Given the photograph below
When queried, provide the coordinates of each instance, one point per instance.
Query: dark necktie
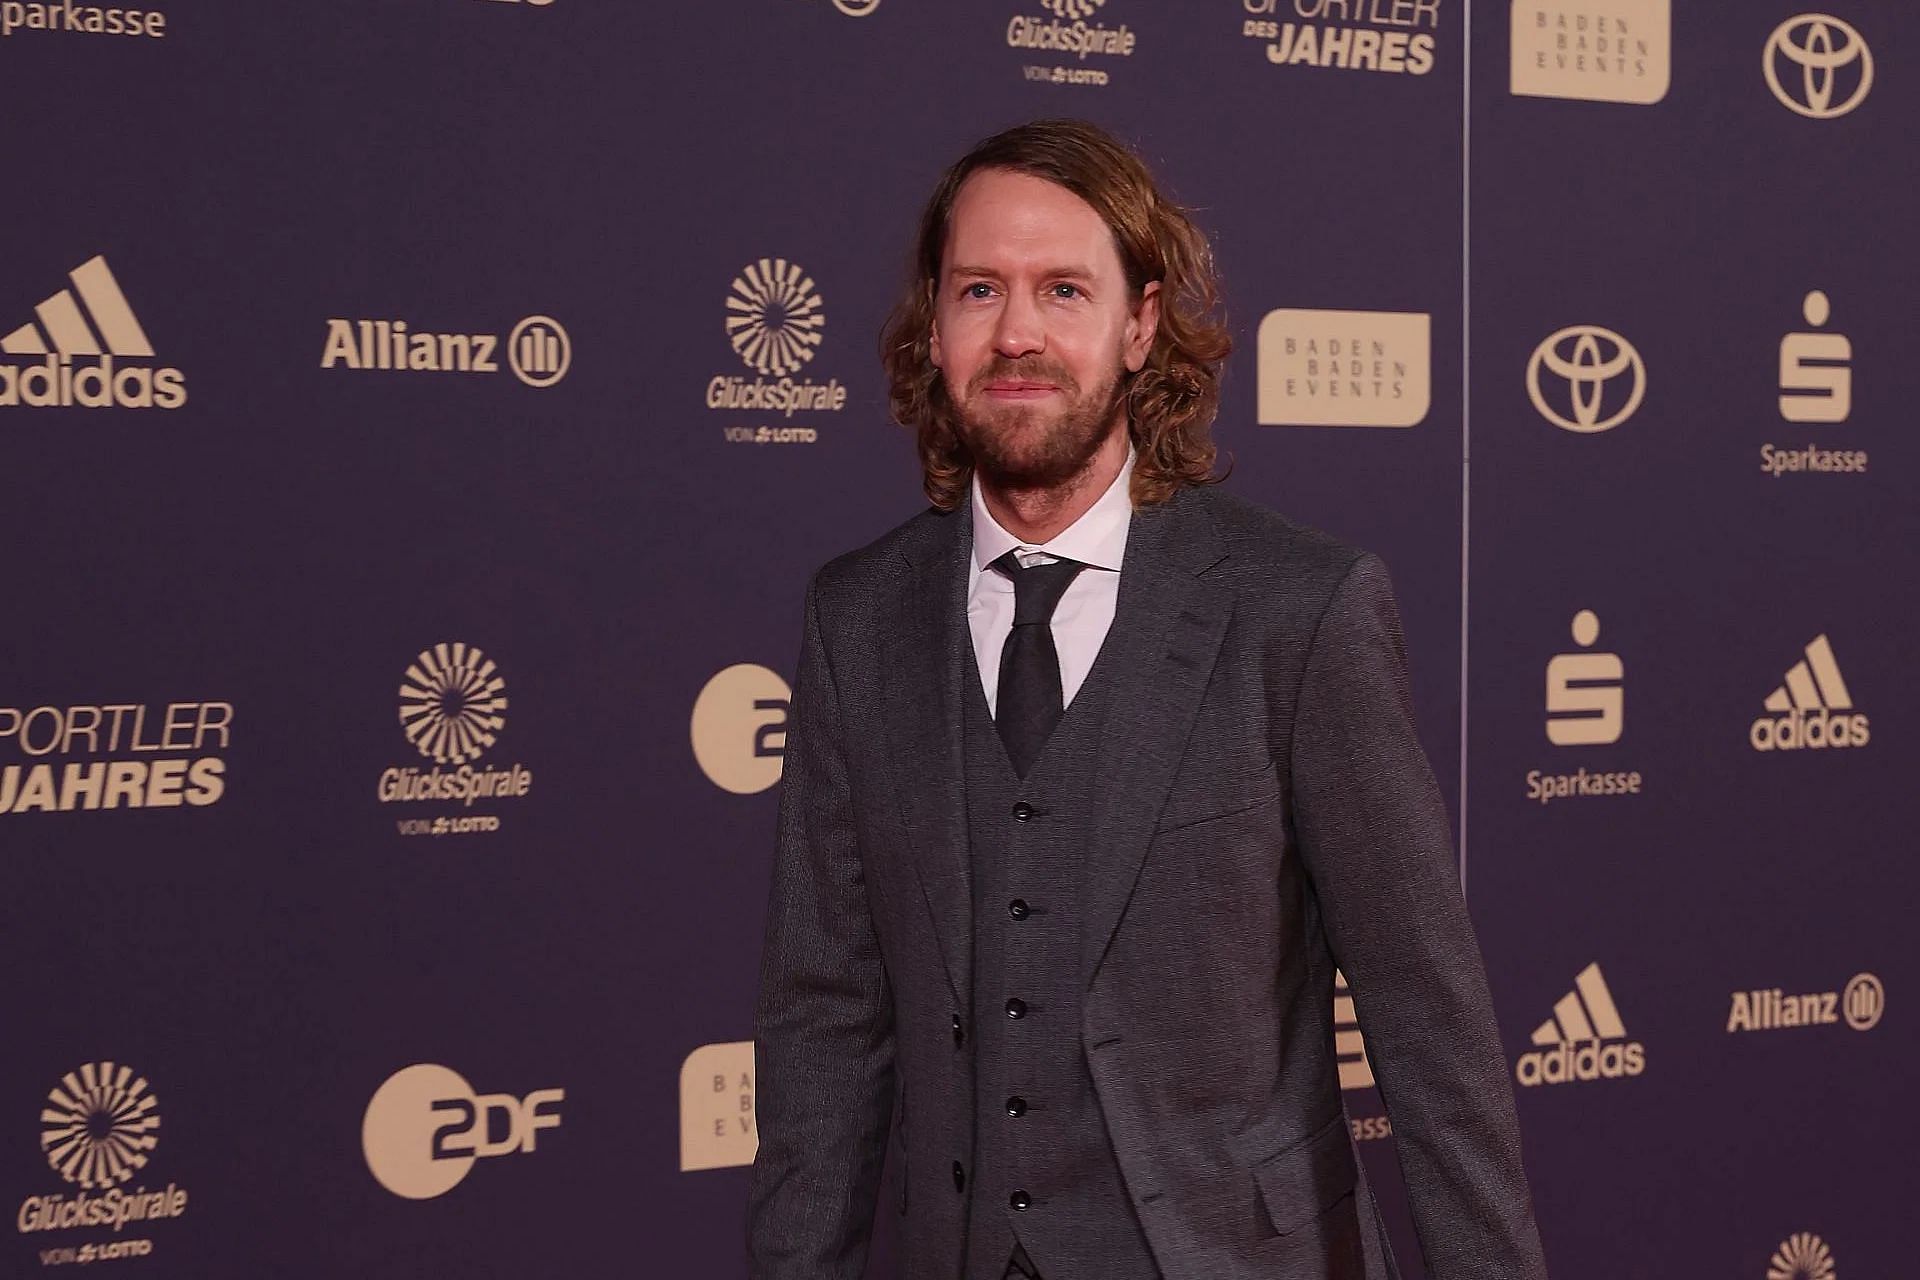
(1029, 701)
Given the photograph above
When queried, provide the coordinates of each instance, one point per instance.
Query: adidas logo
(1802, 708)
(80, 333)
(1583, 1040)
(1349, 1050)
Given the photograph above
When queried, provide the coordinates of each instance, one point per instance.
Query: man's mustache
(1023, 369)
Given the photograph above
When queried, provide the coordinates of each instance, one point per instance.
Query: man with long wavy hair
(1094, 775)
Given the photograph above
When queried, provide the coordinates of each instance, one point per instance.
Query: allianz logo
(1583, 1040)
(86, 350)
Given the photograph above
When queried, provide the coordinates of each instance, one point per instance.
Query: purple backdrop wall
(388, 755)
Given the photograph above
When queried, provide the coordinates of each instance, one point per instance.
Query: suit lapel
(1167, 630)
(925, 659)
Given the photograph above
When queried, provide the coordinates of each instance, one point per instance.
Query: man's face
(1032, 327)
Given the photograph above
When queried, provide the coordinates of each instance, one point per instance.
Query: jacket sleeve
(1373, 832)
(823, 1027)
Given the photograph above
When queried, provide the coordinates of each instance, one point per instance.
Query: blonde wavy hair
(1170, 402)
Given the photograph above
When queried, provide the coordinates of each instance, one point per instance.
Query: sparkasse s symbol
(425, 1127)
(1800, 714)
(80, 334)
(99, 1129)
(1584, 1039)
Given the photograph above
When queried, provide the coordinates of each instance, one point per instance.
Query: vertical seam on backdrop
(1466, 417)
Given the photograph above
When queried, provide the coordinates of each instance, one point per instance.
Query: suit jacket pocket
(1302, 1181)
(1222, 801)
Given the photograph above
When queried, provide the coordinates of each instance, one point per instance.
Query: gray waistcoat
(1057, 1151)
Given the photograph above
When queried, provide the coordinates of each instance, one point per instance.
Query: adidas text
(1813, 730)
(95, 385)
(1593, 1060)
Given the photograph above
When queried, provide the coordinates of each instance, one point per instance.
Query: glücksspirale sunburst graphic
(775, 317)
(99, 1125)
(1802, 1256)
(451, 703)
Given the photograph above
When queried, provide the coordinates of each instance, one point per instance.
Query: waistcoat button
(1023, 812)
(1019, 909)
(1016, 1008)
(1020, 1200)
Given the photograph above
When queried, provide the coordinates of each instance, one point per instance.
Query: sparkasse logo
(1800, 713)
(1583, 1040)
(76, 359)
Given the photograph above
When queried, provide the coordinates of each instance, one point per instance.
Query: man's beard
(1032, 446)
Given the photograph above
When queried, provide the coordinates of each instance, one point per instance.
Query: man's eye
(979, 289)
(1065, 290)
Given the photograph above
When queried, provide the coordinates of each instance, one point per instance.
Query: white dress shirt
(1098, 539)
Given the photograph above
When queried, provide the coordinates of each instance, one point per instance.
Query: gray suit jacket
(1265, 813)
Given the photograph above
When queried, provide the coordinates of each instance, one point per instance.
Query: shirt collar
(1097, 538)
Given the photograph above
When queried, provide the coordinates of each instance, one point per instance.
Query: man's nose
(1020, 330)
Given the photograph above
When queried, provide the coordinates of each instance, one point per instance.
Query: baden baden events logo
(115, 755)
(1816, 386)
(1064, 29)
(1586, 379)
(1586, 707)
(537, 349)
(99, 1128)
(1802, 1256)
(1859, 1005)
(1344, 368)
(425, 1127)
(1592, 50)
(1800, 713)
(1392, 36)
(739, 728)
(75, 360)
(1818, 66)
(775, 322)
(453, 703)
(717, 1129)
(81, 19)
(1583, 1040)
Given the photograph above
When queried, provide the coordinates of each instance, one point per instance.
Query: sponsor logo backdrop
(515, 364)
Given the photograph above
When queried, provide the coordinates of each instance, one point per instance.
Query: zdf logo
(1598, 379)
(1828, 67)
(425, 1127)
(739, 728)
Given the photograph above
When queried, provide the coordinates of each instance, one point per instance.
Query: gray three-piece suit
(1094, 1005)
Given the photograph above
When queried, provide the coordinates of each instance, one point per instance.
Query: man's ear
(1142, 325)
